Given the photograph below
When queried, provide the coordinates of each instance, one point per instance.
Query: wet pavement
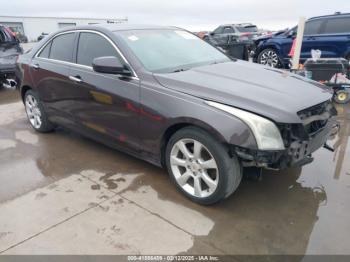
(61, 193)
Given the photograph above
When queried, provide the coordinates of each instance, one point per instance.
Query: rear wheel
(342, 97)
(36, 113)
(201, 167)
(269, 57)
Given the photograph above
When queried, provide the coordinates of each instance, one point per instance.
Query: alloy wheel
(194, 168)
(270, 58)
(33, 111)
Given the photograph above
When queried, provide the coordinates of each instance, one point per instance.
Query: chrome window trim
(79, 65)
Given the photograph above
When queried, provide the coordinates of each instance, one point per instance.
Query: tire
(225, 177)
(347, 57)
(36, 113)
(342, 97)
(269, 57)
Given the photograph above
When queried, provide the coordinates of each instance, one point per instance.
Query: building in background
(32, 27)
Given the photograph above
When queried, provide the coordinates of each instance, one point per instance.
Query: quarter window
(92, 45)
(62, 47)
(45, 53)
(218, 30)
(313, 27)
(337, 25)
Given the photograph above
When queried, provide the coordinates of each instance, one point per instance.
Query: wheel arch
(173, 128)
(24, 89)
(274, 47)
(270, 46)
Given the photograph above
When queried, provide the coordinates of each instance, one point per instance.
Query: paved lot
(64, 194)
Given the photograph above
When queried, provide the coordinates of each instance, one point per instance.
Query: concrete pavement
(61, 193)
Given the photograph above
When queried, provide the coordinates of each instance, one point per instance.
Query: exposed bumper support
(297, 154)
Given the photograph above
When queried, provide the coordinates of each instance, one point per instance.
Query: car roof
(242, 24)
(337, 14)
(118, 27)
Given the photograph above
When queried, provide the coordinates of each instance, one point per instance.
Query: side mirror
(292, 34)
(110, 65)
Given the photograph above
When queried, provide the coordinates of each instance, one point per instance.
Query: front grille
(309, 116)
(314, 110)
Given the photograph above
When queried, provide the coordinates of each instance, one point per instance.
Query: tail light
(245, 36)
(10, 31)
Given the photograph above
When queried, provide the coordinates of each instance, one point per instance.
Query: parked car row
(330, 34)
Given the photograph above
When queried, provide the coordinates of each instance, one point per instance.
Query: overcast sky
(189, 14)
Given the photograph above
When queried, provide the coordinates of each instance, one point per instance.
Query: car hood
(269, 92)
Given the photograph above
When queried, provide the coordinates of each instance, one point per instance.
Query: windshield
(165, 51)
(247, 29)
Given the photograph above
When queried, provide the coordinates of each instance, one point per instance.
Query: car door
(49, 70)
(225, 36)
(216, 36)
(313, 39)
(107, 106)
(336, 37)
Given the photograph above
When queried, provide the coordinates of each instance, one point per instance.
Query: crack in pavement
(61, 222)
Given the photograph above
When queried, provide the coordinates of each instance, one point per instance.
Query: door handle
(76, 79)
(35, 66)
(311, 38)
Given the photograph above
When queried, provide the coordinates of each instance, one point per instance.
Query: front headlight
(266, 133)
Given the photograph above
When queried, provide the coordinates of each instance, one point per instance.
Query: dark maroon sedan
(164, 95)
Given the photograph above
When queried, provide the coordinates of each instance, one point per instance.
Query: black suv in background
(9, 50)
(236, 39)
(233, 32)
(330, 34)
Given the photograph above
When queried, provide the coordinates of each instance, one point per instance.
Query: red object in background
(246, 34)
(201, 34)
(10, 31)
(292, 50)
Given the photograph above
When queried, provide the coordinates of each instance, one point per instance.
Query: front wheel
(201, 167)
(269, 57)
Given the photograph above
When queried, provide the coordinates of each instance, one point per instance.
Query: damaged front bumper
(300, 142)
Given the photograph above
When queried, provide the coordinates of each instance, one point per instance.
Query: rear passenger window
(337, 25)
(313, 27)
(46, 51)
(91, 46)
(228, 30)
(62, 47)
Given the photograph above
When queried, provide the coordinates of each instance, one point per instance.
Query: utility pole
(298, 43)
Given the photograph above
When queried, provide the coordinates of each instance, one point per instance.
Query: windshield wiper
(179, 70)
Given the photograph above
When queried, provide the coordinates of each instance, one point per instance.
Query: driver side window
(92, 45)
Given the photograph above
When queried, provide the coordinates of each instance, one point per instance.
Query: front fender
(165, 109)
